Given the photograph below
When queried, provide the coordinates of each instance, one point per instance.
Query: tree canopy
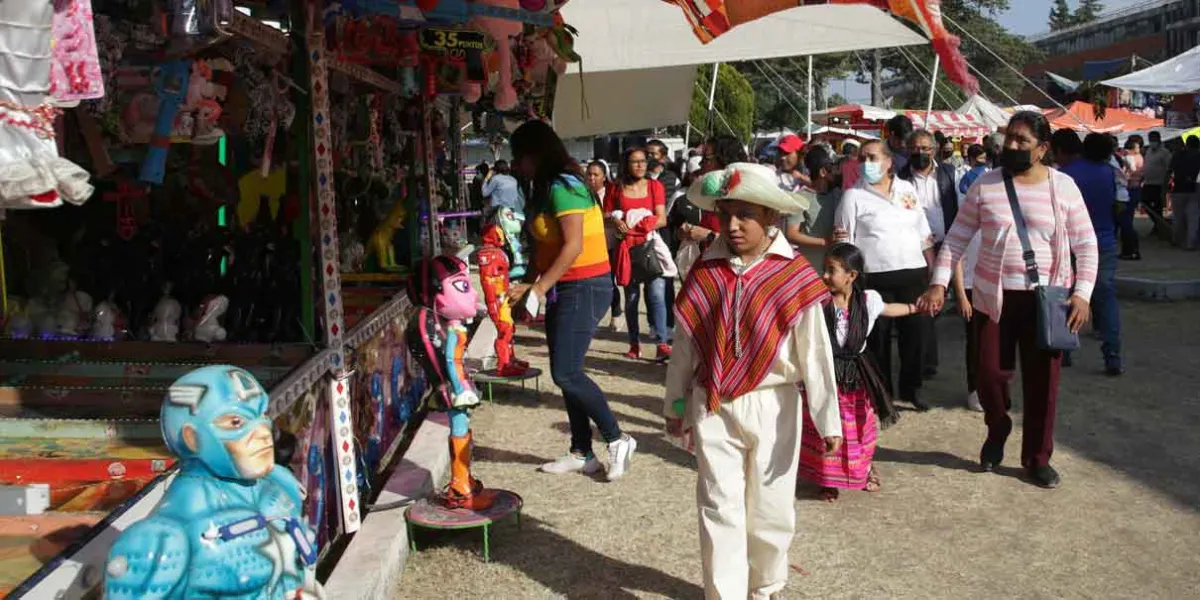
(913, 64)
(1088, 11)
(1060, 15)
(734, 100)
(781, 87)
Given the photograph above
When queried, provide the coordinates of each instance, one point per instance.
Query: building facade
(1153, 31)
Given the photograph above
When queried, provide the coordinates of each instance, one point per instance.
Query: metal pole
(687, 134)
(808, 117)
(937, 62)
(712, 95)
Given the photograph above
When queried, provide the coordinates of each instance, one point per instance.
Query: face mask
(947, 154)
(652, 164)
(920, 161)
(1016, 161)
(872, 172)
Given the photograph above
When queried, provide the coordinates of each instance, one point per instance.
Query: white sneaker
(620, 454)
(973, 402)
(572, 463)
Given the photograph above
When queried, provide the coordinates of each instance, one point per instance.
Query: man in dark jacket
(660, 169)
(938, 196)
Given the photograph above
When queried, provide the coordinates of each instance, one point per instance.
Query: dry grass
(1123, 525)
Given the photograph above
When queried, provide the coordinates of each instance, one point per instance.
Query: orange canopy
(1082, 118)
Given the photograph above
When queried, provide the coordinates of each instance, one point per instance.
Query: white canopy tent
(640, 56)
(984, 111)
(1179, 75)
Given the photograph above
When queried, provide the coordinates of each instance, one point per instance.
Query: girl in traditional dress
(849, 316)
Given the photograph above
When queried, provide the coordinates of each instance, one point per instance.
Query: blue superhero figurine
(231, 524)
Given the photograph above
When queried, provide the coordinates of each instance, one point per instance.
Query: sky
(1024, 17)
(1028, 17)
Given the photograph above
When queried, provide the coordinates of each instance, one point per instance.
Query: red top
(615, 199)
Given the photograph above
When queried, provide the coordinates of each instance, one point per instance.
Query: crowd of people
(773, 290)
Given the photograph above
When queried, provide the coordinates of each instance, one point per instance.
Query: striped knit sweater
(1058, 224)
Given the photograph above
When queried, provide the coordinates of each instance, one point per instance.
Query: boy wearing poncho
(750, 333)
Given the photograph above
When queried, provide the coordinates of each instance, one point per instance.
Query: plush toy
(494, 278)
(74, 312)
(164, 325)
(107, 322)
(437, 338)
(502, 32)
(208, 326)
(230, 524)
(381, 238)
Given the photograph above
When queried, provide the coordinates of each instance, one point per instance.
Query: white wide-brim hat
(748, 182)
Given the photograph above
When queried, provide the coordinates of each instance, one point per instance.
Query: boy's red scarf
(738, 343)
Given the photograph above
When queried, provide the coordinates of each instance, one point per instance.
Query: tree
(978, 17)
(1088, 11)
(835, 99)
(1061, 16)
(781, 86)
(734, 101)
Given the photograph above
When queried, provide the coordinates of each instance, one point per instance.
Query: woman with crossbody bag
(1026, 294)
(633, 192)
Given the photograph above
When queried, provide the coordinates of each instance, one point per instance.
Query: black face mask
(652, 164)
(920, 161)
(1016, 161)
(947, 154)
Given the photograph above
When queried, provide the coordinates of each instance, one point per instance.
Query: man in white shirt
(936, 192)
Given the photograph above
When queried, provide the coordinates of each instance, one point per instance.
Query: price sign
(463, 40)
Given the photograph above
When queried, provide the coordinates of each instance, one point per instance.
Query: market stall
(224, 153)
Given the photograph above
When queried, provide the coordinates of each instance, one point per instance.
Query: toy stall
(220, 184)
(871, 121)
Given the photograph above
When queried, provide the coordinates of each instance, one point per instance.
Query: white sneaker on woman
(571, 463)
(620, 454)
(973, 402)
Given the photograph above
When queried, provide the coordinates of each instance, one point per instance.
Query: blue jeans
(572, 316)
(1105, 309)
(656, 306)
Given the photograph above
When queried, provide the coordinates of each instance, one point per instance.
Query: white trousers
(748, 451)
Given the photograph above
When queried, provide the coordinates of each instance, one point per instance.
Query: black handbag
(1053, 301)
(644, 264)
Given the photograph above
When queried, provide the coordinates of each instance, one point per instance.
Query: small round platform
(490, 377)
(428, 513)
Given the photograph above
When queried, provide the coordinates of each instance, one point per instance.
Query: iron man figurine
(493, 276)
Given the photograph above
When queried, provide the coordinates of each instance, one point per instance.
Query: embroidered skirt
(848, 468)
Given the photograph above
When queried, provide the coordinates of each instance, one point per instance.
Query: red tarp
(1082, 118)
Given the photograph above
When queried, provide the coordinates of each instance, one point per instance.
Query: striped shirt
(1058, 224)
(570, 198)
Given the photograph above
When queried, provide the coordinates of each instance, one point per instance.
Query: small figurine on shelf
(354, 254)
(494, 277)
(230, 525)
(208, 326)
(164, 325)
(107, 323)
(512, 222)
(17, 324)
(437, 338)
(74, 312)
(381, 238)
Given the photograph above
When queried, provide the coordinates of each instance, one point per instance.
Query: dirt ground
(1124, 524)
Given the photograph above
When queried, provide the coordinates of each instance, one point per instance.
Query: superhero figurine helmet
(216, 416)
